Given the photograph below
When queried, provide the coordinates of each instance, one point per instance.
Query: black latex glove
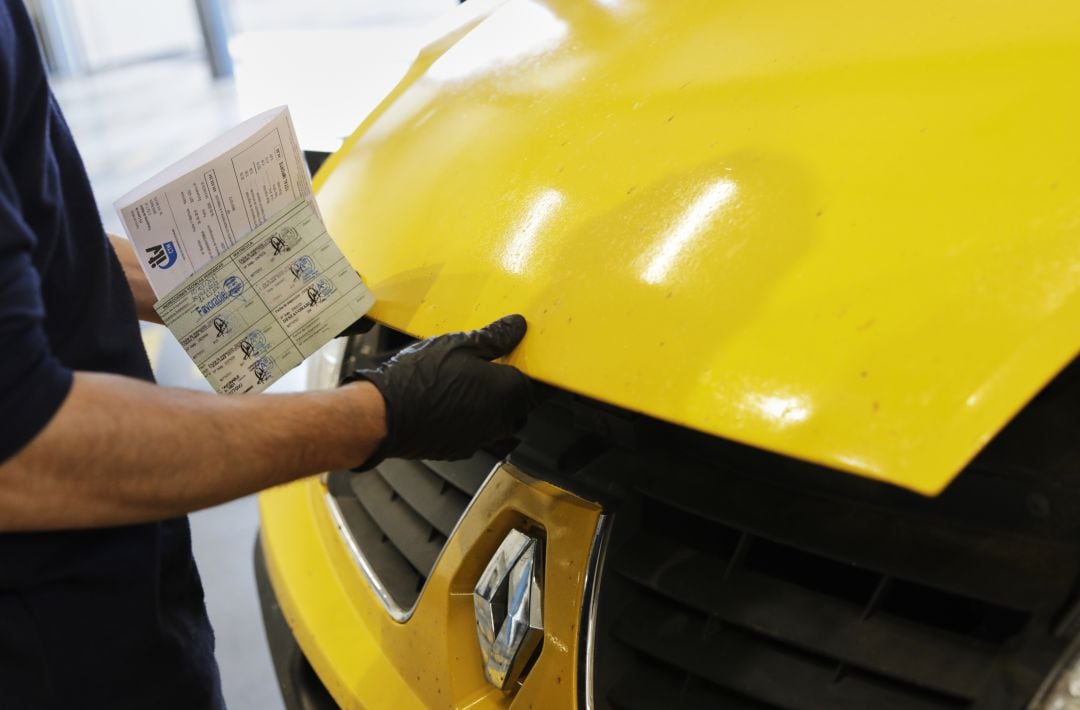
(358, 327)
(445, 399)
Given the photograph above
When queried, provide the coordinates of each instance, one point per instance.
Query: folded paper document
(191, 212)
(249, 280)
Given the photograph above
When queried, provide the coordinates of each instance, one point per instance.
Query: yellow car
(803, 290)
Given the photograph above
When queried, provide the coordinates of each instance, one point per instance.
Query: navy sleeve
(33, 383)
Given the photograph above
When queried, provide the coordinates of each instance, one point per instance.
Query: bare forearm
(123, 451)
(140, 287)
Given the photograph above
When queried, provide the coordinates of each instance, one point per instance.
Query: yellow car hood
(844, 231)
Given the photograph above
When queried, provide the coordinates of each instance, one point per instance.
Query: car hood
(846, 232)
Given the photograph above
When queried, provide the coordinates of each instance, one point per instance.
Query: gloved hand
(357, 327)
(445, 400)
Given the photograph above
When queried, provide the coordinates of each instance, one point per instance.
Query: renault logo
(508, 601)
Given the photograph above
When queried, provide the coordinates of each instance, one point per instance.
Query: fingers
(499, 338)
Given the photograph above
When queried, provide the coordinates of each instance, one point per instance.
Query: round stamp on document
(253, 344)
(233, 286)
(263, 368)
(319, 291)
(304, 268)
(283, 240)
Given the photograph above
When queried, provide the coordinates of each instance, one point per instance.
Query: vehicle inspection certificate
(269, 301)
(193, 211)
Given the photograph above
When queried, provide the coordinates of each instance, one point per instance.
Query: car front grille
(739, 578)
(736, 578)
(721, 608)
(401, 513)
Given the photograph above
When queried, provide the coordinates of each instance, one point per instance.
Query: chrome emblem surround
(508, 601)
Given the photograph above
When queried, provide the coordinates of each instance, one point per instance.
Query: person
(101, 605)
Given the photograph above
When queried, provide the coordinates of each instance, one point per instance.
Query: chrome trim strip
(396, 612)
(1066, 662)
(591, 596)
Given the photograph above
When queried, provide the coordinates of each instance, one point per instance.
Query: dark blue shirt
(110, 618)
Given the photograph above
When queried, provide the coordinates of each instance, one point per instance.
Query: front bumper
(300, 687)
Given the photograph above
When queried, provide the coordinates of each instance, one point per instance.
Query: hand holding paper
(231, 238)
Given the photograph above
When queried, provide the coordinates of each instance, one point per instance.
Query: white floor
(131, 122)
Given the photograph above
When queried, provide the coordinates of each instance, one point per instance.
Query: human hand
(445, 399)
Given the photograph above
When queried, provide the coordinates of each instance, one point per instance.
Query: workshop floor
(131, 122)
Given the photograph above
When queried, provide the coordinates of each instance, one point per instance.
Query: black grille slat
(467, 475)
(949, 556)
(808, 619)
(417, 540)
(750, 665)
(658, 686)
(425, 492)
(396, 574)
(412, 509)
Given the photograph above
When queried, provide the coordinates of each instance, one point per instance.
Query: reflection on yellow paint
(689, 225)
(558, 643)
(858, 463)
(780, 410)
(515, 257)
